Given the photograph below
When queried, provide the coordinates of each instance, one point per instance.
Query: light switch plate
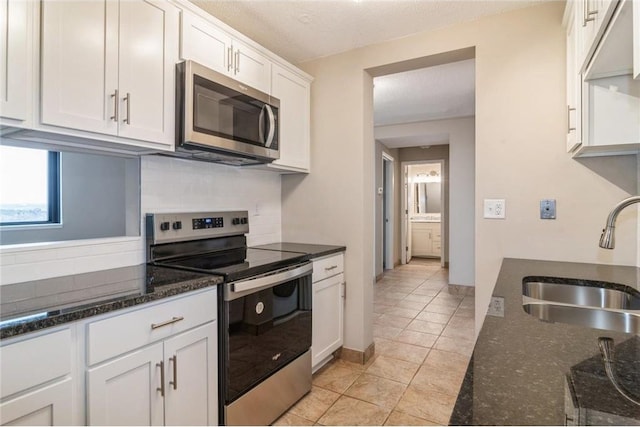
(494, 208)
(548, 209)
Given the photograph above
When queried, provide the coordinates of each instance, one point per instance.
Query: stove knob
(244, 220)
(164, 226)
(177, 225)
(235, 221)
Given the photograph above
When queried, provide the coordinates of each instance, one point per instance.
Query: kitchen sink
(596, 305)
(610, 320)
(589, 296)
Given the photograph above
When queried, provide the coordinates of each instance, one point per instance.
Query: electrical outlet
(496, 307)
(494, 208)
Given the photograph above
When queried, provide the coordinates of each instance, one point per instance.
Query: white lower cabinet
(328, 309)
(168, 383)
(36, 379)
(426, 239)
(45, 406)
(169, 378)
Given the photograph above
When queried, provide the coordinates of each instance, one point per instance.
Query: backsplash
(176, 185)
(167, 185)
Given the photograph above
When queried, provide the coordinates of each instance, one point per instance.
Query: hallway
(423, 333)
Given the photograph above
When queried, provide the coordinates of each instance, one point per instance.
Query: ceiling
(302, 30)
(441, 92)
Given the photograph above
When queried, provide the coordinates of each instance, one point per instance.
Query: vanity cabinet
(426, 239)
(211, 46)
(328, 308)
(37, 382)
(108, 67)
(163, 371)
(16, 18)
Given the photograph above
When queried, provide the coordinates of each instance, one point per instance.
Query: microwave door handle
(272, 126)
(261, 125)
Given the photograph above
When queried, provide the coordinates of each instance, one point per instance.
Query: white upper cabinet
(109, 67)
(15, 26)
(205, 43)
(294, 94)
(574, 81)
(211, 46)
(591, 19)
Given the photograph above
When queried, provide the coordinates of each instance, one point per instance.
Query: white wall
(520, 155)
(461, 188)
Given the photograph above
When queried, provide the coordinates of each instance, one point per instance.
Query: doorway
(387, 211)
(425, 217)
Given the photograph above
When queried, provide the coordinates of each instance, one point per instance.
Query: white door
(293, 93)
(80, 64)
(204, 43)
(14, 26)
(327, 319)
(407, 208)
(149, 32)
(46, 406)
(128, 390)
(191, 371)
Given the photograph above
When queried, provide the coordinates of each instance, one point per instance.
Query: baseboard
(356, 356)
(379, 276)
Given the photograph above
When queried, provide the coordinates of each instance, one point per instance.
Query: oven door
(267, 324)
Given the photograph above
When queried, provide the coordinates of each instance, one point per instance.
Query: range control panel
(175, 227)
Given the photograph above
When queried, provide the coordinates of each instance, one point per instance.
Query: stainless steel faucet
(607, 239)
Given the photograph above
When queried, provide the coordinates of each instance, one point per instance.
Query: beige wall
(520, 140)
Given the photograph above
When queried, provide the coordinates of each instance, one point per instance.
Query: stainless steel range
(264, 310)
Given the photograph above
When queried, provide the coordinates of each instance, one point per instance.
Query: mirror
(427, 197)
(78, 196)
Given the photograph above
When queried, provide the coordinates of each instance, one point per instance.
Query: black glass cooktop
(238, 263)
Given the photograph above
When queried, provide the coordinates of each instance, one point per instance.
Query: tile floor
(423, 333)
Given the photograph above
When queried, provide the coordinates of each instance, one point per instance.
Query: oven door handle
(273, 279)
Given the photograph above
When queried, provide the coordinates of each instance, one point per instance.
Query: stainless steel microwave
(222, 120)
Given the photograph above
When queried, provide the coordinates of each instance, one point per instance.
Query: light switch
(494, 208)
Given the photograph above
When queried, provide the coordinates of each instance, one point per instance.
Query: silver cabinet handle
(161, 388)
(167, 322)
(229, 58)
(174, 383)
(333, 267)
(127, 98)
(569, 110)
(237, 62)
(116, 104)
(588, 14)
(272, 126)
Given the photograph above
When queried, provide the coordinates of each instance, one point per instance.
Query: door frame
(389, 221)
(406, 223)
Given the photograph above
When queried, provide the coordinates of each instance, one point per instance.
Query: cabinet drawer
(120, 334)
(35, 361)
(327, 267)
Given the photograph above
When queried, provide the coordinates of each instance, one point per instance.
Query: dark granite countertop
(154, 284)
(520, 364)
(312, 250)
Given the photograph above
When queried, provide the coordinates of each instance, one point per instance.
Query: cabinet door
(46, 406)
(251, 67)
(573, 84)
(147, 57)
(294, 95)
(327, 320)
(14, 26)
(79, 64)
(128, 390)
(192, 371)
(205, 43)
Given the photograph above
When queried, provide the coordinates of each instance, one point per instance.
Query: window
(29, 186)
